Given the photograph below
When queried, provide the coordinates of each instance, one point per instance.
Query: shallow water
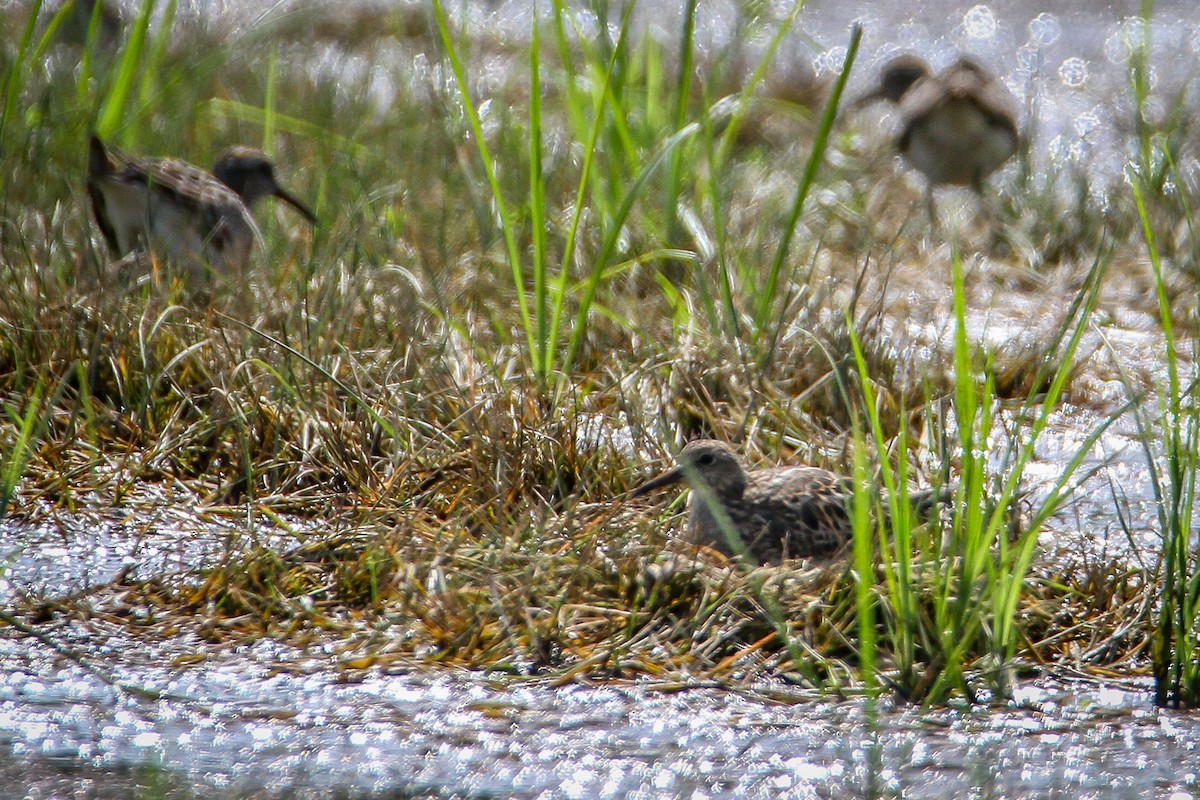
(275, 722)
(237, 727)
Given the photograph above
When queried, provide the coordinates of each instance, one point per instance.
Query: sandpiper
(770, 514)
(956, 128)
(195, 218)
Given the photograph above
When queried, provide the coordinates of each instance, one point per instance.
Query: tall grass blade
(767, 298)
(864, 567)
(13, 83)
(507, 224)
(746, 96)
(611, 238)
(1176, 430)
(589, 154)
(683, 85)
(30, 423)
(151, 90)
(537, 209)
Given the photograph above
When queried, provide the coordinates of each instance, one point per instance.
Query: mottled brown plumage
(776, 513)
(194, 218)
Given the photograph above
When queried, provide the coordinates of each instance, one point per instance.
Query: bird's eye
(705, 459)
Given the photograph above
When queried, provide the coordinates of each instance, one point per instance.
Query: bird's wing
(804, 510)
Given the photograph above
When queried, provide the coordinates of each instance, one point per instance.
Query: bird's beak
(296, 204)
(666, 479)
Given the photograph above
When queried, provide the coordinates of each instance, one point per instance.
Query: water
(239, 726)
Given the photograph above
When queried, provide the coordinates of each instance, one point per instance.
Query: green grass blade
(768, 296)
(611, 238)
(683, 84)
(12, 88)
(489, 166)
(541, 357)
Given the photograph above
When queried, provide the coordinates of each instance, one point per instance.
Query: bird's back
(806, 511)
(785, 512)
(960, 126)
(168, 204)
(790, 512)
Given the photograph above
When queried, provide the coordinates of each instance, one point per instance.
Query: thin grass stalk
(30, 422)
(575, 103)
(270, 102)
(1015, 566)
(683, 83)
(767, 297)
(864, 566)
(12, 89)
(586, 172)
(971, 485)
(725, 283)
(897, 550)
(149, 95)
(48, 36)
(20, 449)
(611, 238)
(86, 63)
(56, 21)
(507, 225)
(746, 96)
(1176, 651)
(732, 320)
(896, 539)
(1139, 77)
(605, 185)
(537, 208)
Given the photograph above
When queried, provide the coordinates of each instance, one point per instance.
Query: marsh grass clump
(541, 263)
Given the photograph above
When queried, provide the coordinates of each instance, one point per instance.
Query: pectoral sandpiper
(957, 127)
(776, 513)
(194, 218)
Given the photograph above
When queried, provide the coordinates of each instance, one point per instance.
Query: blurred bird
(197, 220)
(956, 128)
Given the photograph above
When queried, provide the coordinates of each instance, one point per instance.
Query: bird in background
(956, 127)
(769, 514)
(197, 220)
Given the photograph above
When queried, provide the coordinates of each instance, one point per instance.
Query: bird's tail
(925, 504)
